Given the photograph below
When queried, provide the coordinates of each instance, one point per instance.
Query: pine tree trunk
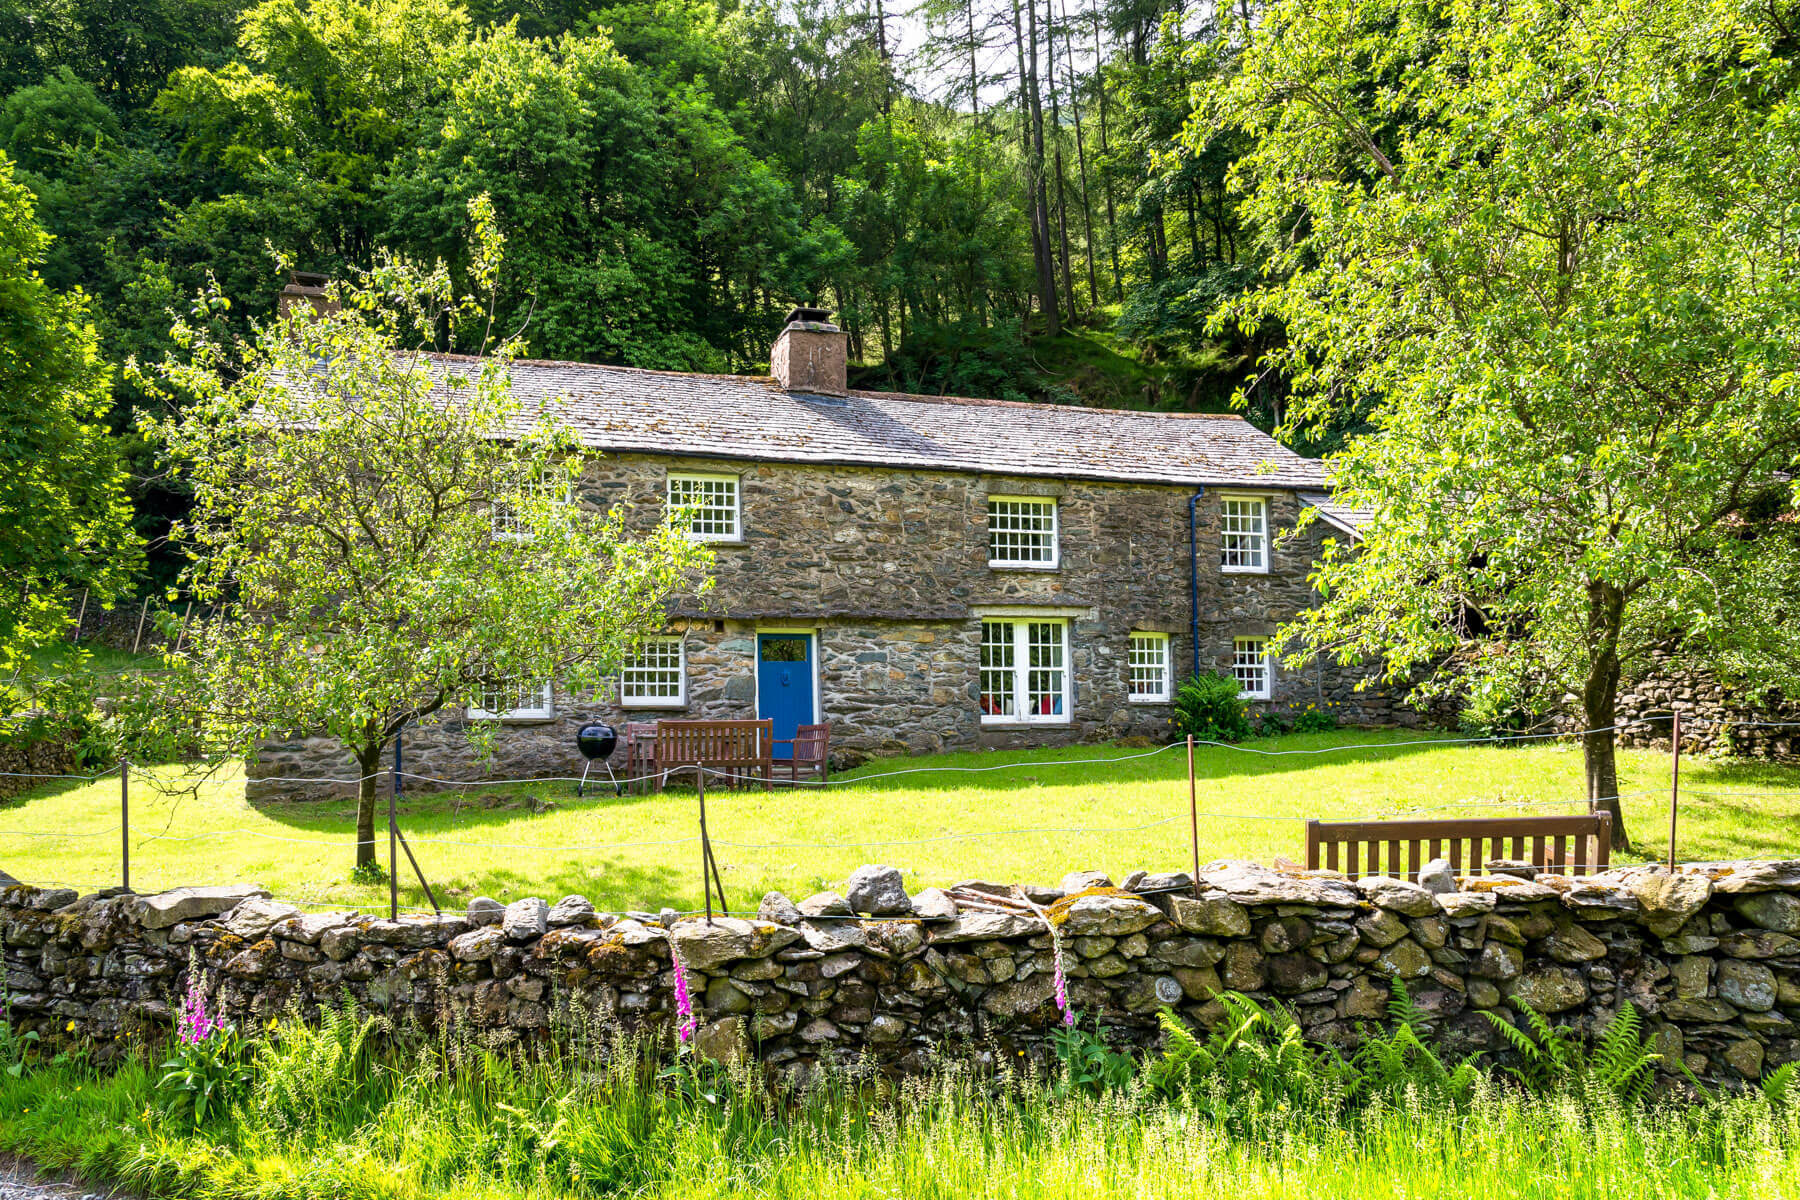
(1112, 220)
(1040, 195)
(1087, 208)
(1062, 196)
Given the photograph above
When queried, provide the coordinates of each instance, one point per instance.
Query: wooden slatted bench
(737, 748)
(1400, 848)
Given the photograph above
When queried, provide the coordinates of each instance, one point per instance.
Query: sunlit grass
(571, 1127)
(1044, 816)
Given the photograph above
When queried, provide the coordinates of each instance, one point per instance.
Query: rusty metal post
(705, 844)
(394, 838)
(1193, 815)
(1674, 783)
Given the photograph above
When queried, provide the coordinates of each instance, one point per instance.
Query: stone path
(19, 1182)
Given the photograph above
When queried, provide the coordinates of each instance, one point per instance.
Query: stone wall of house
(889, 570)
(24, 758)
(1711, 957)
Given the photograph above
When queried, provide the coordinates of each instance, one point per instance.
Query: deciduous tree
(1553, 245)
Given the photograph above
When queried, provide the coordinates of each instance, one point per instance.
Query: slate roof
(1351, 520)
(752, 418)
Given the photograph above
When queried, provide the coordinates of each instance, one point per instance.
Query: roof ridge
(864, 393)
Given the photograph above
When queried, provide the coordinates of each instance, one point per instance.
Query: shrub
(1315, 718)
(1209, 707)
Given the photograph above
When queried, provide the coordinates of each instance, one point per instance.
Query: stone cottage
(924, 573)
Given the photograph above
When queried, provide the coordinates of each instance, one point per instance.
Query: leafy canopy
(1551, 246)
(65, 524)
(379, 533)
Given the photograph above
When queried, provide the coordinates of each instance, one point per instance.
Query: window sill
(654, 705)
(504, 719)
(1256, 696)
(716, 541)
(1147, 700)
(1023, 722)
(1021, 566)
(1243, 570)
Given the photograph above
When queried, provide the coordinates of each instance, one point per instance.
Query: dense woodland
(671, 176)
(1000, 208)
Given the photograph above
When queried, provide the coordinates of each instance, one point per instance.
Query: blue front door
(784, 684)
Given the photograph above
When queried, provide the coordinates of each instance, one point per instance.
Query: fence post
(143, 612)
(705, 848)
(1193, 815)
(1674, 783)
(80, 617)
(125, 823)
(394, 838)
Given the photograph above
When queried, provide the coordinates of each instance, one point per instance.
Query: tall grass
(329, 1116)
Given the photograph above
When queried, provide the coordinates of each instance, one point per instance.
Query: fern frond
(1782, 1085)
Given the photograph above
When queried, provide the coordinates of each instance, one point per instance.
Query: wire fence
(701, 775)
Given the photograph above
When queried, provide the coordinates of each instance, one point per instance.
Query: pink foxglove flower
(1062, 979)
(193, 1023)
(684, 1002)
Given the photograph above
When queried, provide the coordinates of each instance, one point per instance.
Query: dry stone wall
(1711, 955)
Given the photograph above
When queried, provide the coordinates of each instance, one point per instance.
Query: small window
(1149, 664)
(1025, 672)
(502, 701)
(711, 502)
(1244, 534)
(655, 675)
(510, 525)
(1021, 532)
(1250, 663)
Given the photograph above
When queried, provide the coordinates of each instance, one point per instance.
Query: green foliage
(1400, 1063)
(1620, 1062)
(573, 1119)
(308, 1076)
(1256, 1059)
(1564, 323)
(1089, 1064)
(203, 1078)
(1211, 707)
(64, 520)
(370, 553)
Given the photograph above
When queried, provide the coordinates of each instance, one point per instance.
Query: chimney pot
(305, 287)
(809, 355)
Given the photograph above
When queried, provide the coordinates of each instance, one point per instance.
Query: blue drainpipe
(1194, 575)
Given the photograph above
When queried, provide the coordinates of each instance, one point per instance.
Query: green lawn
(1043, 817)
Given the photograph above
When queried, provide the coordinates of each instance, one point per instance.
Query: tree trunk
(1048, 304)
(1062, 197)
(368, 767)
(1599, 707)
(1112, 220)
(1087, 207)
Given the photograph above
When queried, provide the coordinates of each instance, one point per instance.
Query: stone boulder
(1398, 895)
(1108, 916)
(706, 945)
(190, 904)
(485, 911)
(934, 904)
(256, 916)
(777, 909)
(1437, 877)
(570, 910)
(878, 891)
(826, 904)
(1209, 916)
(525, 919)
(1081, 881)
(1253, 883)
(1669, 900)
(1777, 911)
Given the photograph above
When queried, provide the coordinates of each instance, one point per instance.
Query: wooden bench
(736, 748)
(1375, 847)
(812, 753)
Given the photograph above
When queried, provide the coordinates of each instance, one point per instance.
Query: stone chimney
(809, 354)
(305, 287)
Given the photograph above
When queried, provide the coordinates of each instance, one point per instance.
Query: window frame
(1021, 670)
(679, 700)
(1165, 667)
(1238, 643)
(1265, 546)
(502, 518)
(705, 477)
(546, 711)
(1054, 562)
